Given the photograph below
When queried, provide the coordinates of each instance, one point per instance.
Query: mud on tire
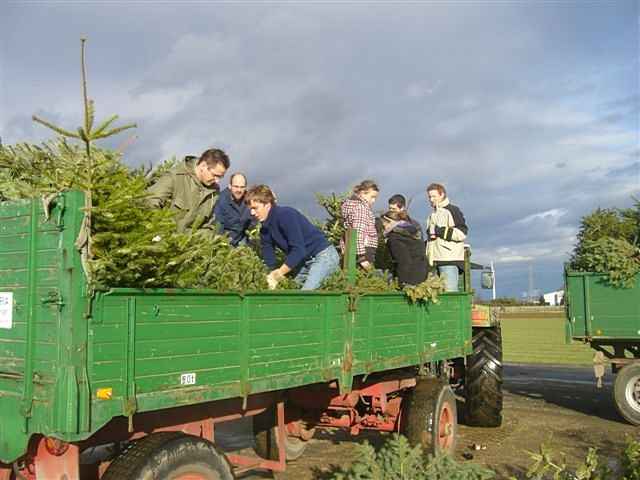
(483, 379)
(170, 456)
(429, 416)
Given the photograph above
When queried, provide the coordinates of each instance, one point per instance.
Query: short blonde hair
(260, 193)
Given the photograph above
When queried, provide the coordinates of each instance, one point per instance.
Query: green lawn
(540, 339)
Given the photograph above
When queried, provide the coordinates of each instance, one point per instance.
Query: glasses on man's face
(239, 186)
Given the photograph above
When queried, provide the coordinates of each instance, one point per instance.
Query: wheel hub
(446, 429)
(632, 393)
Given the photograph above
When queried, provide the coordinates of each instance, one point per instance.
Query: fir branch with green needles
(426, 291)
(609, 243)
(86, 132)
(333, 225)
(133, 245)
(87, 135)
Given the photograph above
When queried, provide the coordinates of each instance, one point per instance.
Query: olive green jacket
(181, 190)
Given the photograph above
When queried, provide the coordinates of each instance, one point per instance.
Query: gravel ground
(557, 405)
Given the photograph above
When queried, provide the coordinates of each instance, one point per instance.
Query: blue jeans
(450, 273)
(316, 269)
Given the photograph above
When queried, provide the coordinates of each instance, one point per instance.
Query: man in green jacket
(191, 188)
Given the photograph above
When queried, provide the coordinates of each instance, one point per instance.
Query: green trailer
(608, 318)
(143, 376)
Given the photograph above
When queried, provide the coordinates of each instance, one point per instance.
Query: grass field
(539, 338)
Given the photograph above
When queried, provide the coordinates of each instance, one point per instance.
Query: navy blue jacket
(290, 231)
(233, 218)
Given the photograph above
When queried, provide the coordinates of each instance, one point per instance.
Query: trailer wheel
(267, 445)
(429, 416)
(483, 379)
(170, 456)
(626, 393)
(265, 436)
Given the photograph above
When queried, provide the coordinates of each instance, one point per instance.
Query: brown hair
(215, 156)
(365, 186)
(260, 193)
(398, 200)
(437, 186)
(395, 216)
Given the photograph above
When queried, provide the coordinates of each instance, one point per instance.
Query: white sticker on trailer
(6, 309)
(188, 379)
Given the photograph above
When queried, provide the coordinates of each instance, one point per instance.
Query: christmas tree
(124, 243)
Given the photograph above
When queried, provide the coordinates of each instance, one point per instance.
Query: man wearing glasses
(231, 213)
(191, 189)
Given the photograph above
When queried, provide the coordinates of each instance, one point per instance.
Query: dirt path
(556, 405)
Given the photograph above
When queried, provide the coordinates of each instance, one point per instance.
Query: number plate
(6, 309)
(188, 379)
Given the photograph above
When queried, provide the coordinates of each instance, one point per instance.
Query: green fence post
(349, 260)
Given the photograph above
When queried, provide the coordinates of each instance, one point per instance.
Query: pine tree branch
(115, 130)
(92, 113)
(85, 98)
(103, 126)
(83, 136)
(61, 131)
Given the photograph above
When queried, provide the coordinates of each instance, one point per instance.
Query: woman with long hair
(357, 213)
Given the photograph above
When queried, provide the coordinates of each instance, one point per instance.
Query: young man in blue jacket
(231, 212)
(308, 253)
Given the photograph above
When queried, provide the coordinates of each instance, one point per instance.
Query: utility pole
(493, 272)
(530, 282)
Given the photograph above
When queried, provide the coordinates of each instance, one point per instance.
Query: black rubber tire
(626, 393)
(423, 418)
(266, 445)
(166, 456)
(483, 379)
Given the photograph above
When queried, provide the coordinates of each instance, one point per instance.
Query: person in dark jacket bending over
(405, 244)
(231, 213)
(308, 253)
(446, 231)
(397, 203)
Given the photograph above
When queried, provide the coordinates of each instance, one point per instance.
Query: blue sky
(527, 111)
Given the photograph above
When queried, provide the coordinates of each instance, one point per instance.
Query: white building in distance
(554, 298)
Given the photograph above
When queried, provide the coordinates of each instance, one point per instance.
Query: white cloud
(158, 104)
(543, 114)
(552, 216)
(551, 249)
(421, 89)
(606, 139)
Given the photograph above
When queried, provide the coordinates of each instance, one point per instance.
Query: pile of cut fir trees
(129, 244)
(609, 243)
(133, 245)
